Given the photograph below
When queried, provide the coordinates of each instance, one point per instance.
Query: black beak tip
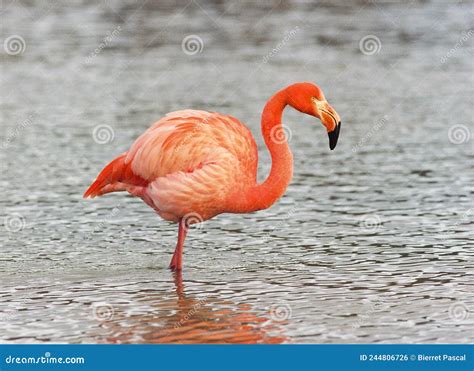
(333, 136)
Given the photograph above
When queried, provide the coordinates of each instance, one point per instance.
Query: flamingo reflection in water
(187, 320)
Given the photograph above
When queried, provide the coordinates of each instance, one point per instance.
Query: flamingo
(192, 165)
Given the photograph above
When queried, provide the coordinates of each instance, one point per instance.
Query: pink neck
(267, 193)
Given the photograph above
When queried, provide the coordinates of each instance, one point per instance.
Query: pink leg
(177, 260)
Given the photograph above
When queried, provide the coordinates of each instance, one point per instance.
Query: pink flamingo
(193, 165)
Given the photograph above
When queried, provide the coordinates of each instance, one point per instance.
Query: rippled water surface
(373, 242)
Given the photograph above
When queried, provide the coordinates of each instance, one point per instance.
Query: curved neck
(265, 194)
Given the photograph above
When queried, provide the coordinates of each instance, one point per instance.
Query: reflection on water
(148, 310)
(186, 320)
(372, 242)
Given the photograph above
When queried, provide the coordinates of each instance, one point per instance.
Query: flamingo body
(188, 163)
(193, 165)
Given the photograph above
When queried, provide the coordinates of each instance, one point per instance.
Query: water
(372, 242)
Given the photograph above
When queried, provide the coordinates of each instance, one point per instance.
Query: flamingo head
(309, 98)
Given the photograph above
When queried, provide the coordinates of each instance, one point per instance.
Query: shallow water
(373, 242)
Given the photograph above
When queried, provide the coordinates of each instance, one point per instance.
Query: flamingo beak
(330, 119)
(334, 135)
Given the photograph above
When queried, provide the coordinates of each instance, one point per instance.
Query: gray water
(373, 242)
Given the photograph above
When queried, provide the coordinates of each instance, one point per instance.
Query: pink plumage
(193, 165)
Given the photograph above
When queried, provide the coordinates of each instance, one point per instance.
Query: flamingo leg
(177, 259)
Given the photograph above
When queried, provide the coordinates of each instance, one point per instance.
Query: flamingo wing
(189, 161)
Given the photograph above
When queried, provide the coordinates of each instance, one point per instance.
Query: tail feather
(116, 176)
